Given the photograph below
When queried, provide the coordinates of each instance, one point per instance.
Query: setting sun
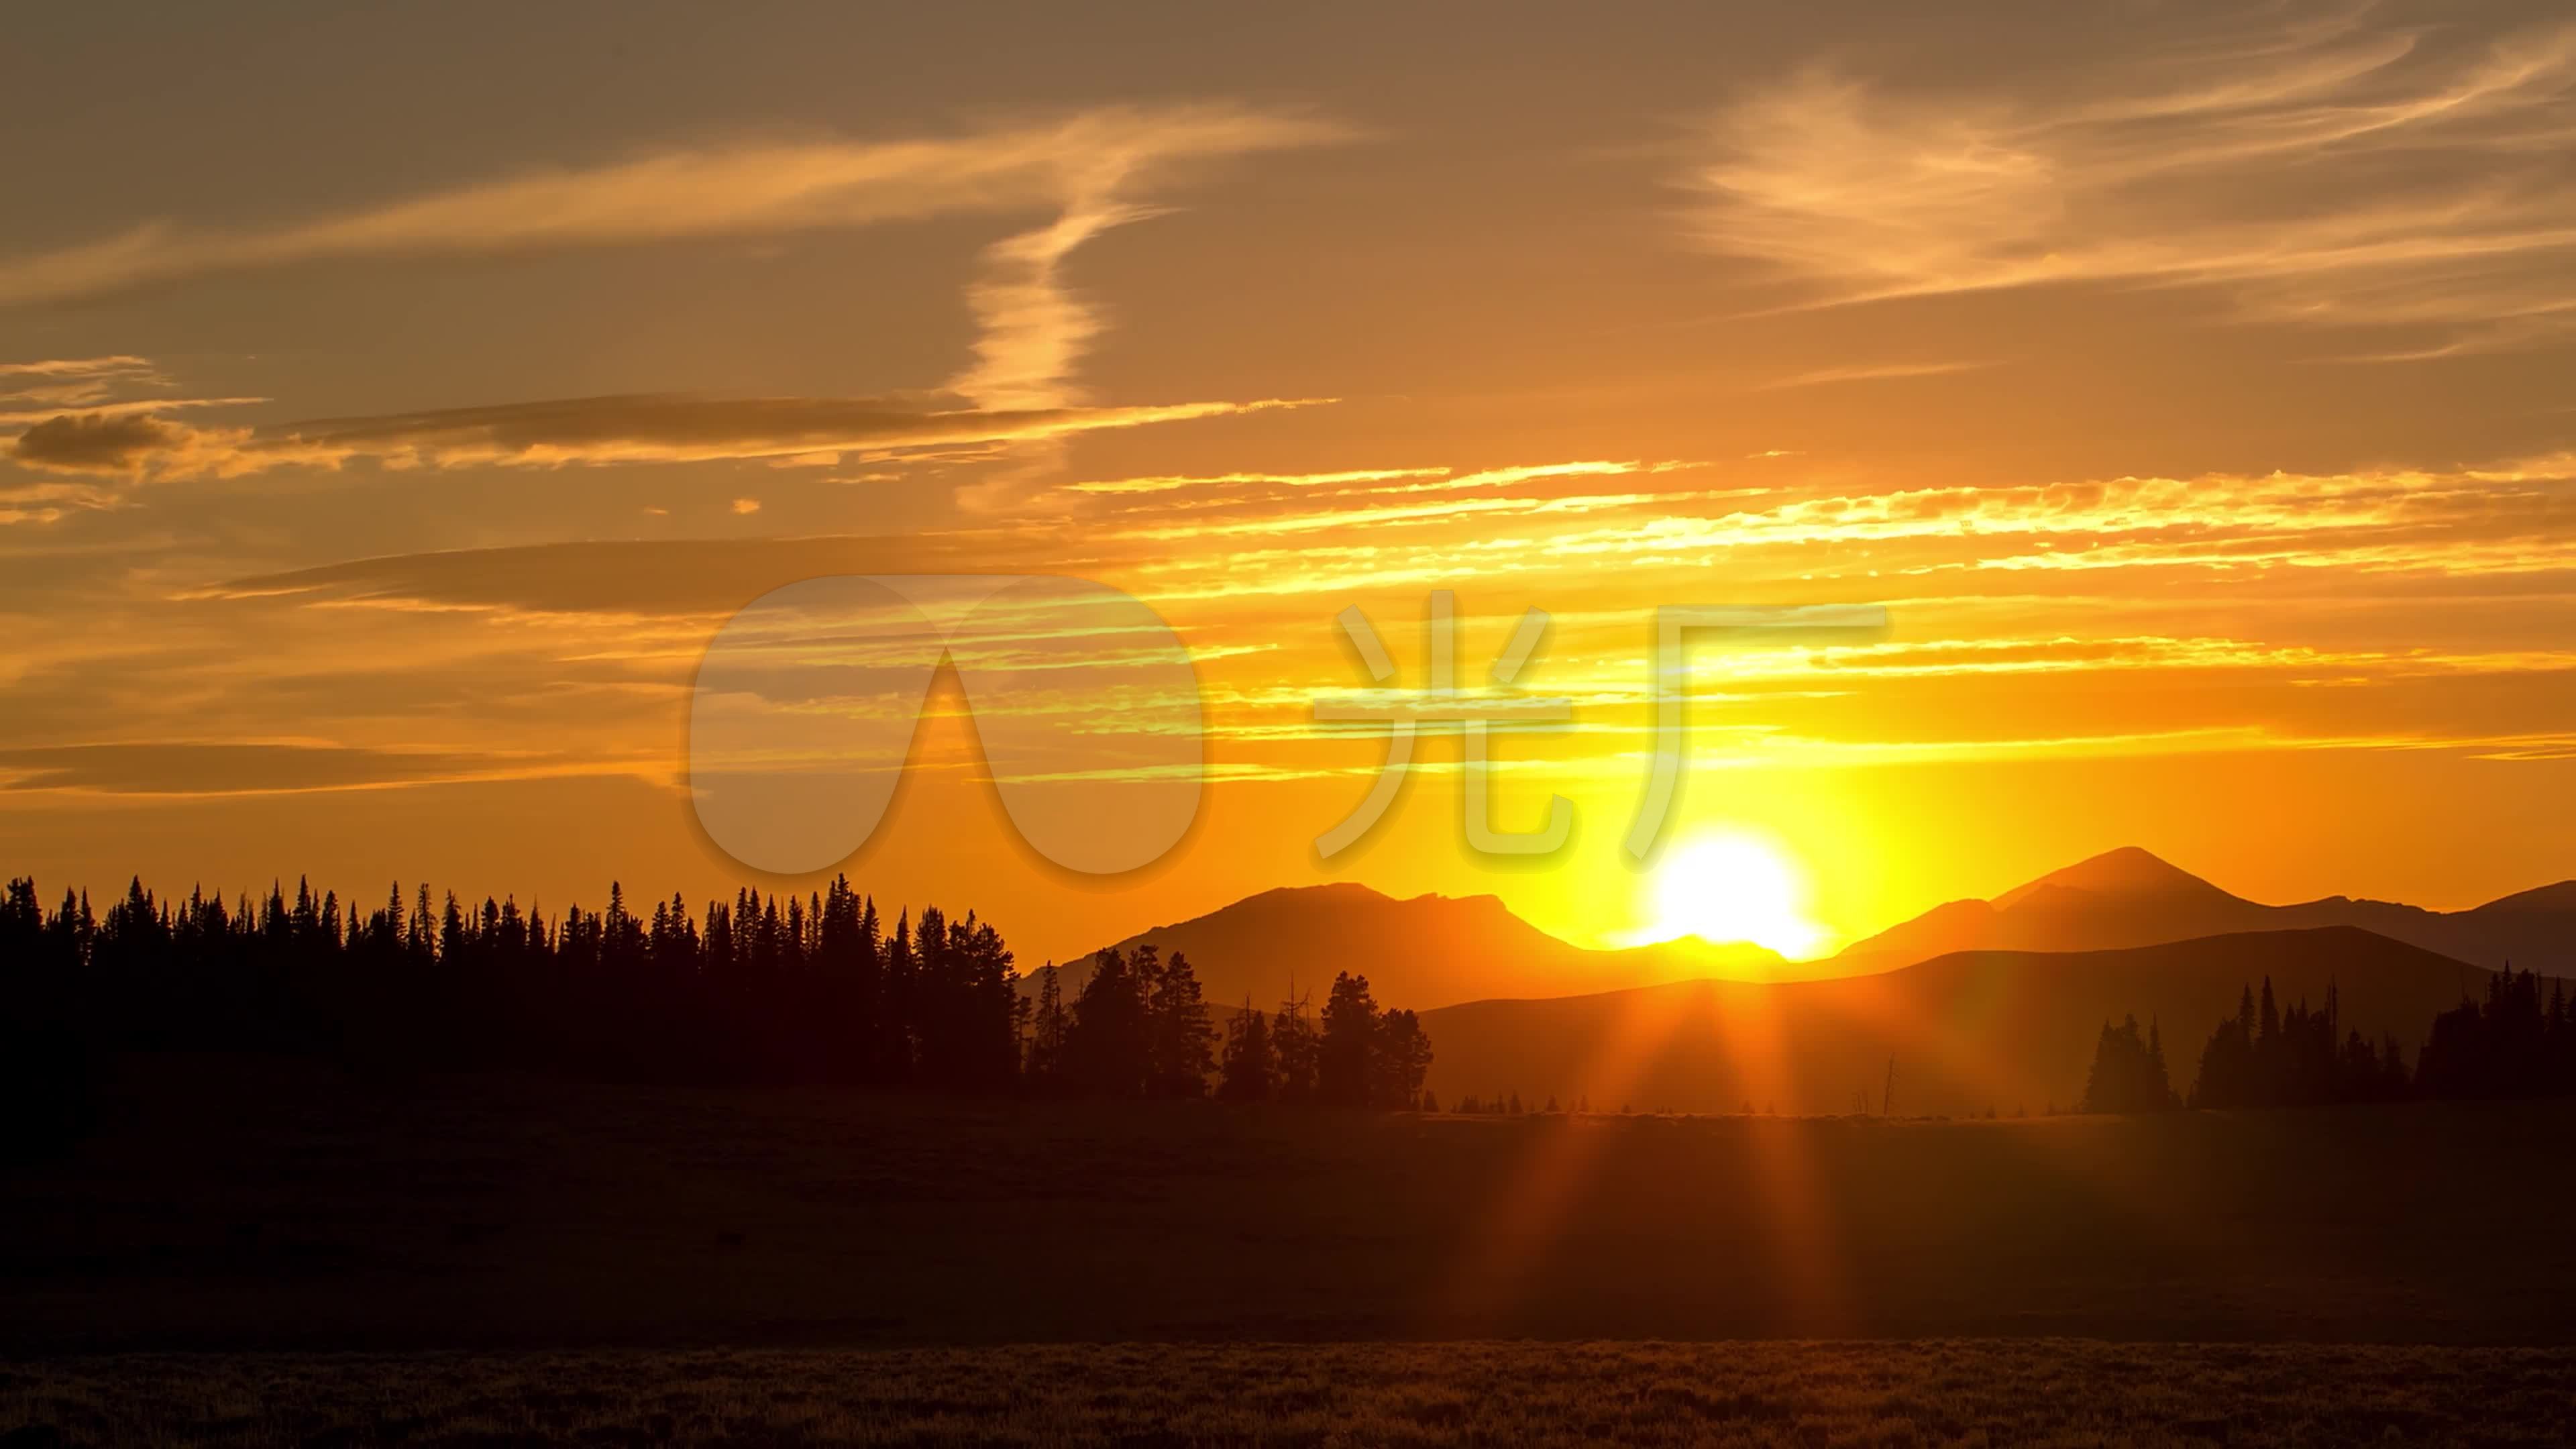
(1735, 887)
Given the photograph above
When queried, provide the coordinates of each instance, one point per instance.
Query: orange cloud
(2335, 174)
(740, 191)
(600, 430)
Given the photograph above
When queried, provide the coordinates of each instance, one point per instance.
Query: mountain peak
(2558, 897)
(2128, 874)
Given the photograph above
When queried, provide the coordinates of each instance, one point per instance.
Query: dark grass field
(263, 1253)
(273, 1207)
(2034, 1392)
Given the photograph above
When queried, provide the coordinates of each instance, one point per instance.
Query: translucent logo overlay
(1084, 700)
(1088, 710)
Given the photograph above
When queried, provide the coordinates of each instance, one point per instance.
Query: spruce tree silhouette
(1346, 1066)
(1106, 1043)
(777, 989)
(2297, 1060)
(1179, 1051)
(1046, 1067)
(1249, 1072)
(1403, 1060)
(1296, 1049)
(2128, 1073)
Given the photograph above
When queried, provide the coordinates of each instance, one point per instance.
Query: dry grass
(226, 1212)
(807, 1268)
(2038, 1392)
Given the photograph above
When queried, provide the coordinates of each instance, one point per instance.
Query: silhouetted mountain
(1967, 1031)
(1429, 951)
(2128, 897)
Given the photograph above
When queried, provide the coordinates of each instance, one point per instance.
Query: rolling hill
(2128, 897)
(1424, 952)
(1967, 1031)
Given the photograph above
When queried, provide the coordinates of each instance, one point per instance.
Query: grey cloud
(95, 443)
(737, 191)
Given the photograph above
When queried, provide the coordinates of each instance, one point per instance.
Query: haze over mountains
(1978, 1004)
(1436, 951)
(1965, 1033)
(2128, 897)
(1428, 951)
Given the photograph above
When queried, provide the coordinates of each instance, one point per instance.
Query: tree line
(1139, 1027)
(2516, 1041)
(817, 988)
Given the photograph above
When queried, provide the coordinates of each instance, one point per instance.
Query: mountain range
(1972, 1006)
(1960, 1034)
(2128, 897)
(1435, 951)
(1430, 950)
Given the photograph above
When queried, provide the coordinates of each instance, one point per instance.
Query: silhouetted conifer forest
(2518, 1041)
(821, 989)
(782, 989)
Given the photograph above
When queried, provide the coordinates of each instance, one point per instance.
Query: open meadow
(263, 1206)
(1895, 1395)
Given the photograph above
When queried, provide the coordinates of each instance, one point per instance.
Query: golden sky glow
(380, 447)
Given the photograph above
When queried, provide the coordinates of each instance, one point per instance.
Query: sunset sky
(395, 402)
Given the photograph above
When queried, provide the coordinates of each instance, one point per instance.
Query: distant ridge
(2130, 897)
(1430, 950)
(1967, 1031)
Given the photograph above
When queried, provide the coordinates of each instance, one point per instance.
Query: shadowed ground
(2047, 1392)
(282, 1208)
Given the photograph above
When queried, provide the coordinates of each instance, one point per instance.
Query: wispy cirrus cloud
(744, 190)
(1282, 536)
(593, 431)
(1017, 399)
(2321, 168)
(1880, 372)
(1178, 482)
(1033, 327)
(94, 386)
(198, 769)
(72, 381)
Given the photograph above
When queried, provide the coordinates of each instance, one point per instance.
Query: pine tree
(895, 1015)
(2128, 1074)
(767, 991)
(1346, 1067)
(1403, 1059)
(1296, 1049)
(1046, 1040)
(1108, 1041)
(1180, 1054)
(1249, 1069)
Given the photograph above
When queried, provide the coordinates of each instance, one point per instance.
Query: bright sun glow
(1736, 887)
